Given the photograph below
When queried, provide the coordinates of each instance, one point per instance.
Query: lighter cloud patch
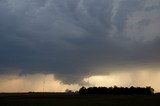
(116, 4)
(150, 3)
(119, 79)
(82, 8)
(143, 25)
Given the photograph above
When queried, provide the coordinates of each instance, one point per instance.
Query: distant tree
(68, 91)
(82, 90)
(117, 90)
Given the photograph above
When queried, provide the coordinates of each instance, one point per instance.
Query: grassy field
(52, 99)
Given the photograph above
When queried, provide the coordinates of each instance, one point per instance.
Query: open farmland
(61, 99)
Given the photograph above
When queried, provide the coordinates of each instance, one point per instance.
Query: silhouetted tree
(117, 90)
(68, 91)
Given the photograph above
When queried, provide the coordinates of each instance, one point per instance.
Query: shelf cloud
(74, 39)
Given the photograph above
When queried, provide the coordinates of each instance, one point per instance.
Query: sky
(65, 44)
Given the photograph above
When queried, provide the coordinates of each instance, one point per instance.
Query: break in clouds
(75, 39)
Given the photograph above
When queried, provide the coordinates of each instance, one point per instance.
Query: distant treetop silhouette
(117, 90)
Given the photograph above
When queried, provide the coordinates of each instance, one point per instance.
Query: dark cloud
(72, 38)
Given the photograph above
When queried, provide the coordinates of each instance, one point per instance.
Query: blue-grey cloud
(72, 37)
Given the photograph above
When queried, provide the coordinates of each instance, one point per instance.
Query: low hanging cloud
(76, 38)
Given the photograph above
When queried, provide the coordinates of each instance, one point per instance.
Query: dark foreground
(52, 99)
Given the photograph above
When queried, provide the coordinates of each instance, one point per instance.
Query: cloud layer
(75, 38)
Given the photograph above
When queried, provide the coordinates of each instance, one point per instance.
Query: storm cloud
(76, 38)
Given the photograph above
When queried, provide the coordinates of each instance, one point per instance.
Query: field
(60, 99)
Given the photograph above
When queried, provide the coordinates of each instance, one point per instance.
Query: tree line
(117, 90)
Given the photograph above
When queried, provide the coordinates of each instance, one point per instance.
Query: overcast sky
(74, 39)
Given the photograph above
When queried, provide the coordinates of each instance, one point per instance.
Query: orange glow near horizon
(48, 83)
(141, 78)
(34, 83)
